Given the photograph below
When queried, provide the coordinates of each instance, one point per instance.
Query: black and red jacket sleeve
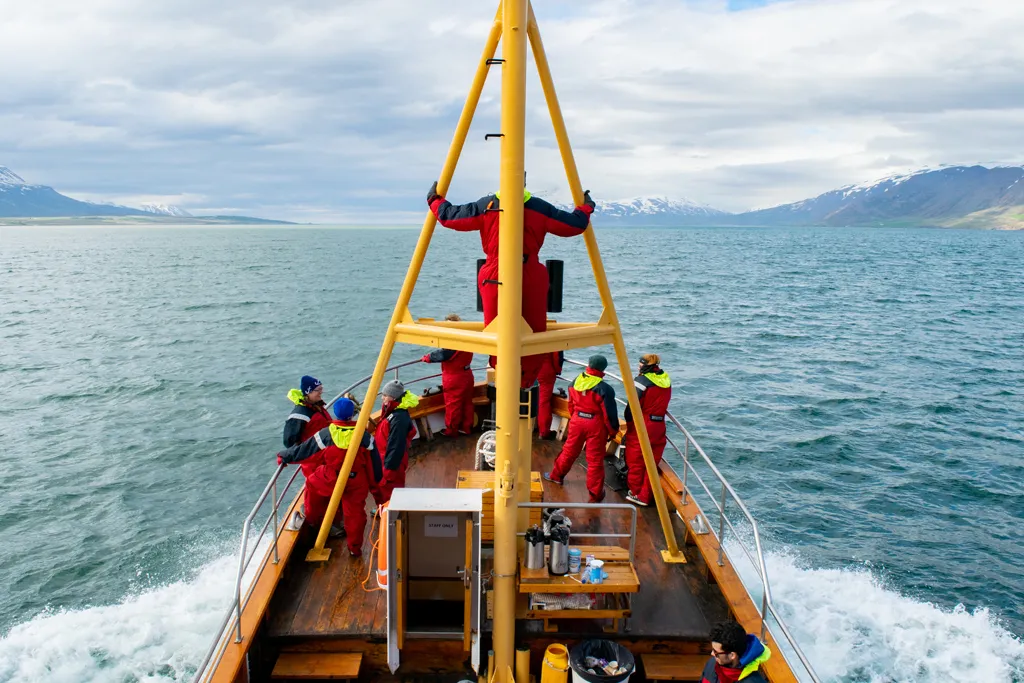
(307, 448)
(440, 355)
(611, 410)
(398, 432)
(463, 217)
(642, 384)
(554, 220)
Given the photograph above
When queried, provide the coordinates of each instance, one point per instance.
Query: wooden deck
(675, 602)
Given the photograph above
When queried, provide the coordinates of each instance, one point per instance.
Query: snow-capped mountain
(656, 211)
(165, 210)
(926, 197)
(18, 198)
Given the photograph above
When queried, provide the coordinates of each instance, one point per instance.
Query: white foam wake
(158, 635)
(853, 628)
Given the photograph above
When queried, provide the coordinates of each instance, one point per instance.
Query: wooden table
(622, 580)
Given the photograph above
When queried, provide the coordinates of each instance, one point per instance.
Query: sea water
(862, 389)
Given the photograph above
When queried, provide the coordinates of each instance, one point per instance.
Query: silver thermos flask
(558, 550)
(534, 548)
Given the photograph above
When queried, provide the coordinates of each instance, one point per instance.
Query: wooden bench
(317, 666)
(673, 667)
(622, 580)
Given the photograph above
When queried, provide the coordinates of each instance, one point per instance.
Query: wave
(852, 626)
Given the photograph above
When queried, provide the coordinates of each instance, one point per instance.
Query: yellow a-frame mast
(508, 336)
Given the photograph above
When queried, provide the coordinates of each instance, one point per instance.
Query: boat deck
(328, 601)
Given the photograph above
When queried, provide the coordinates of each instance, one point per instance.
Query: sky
(341, 111)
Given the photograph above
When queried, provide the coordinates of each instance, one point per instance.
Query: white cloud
(318, 110)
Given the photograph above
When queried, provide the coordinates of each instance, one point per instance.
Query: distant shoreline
(136, 220)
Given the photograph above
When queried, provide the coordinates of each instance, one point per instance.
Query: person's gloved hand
(279, 460)
(426, 358)
(432, 194)
(587, 201)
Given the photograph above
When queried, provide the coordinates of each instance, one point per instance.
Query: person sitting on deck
(654, 391)
(539, 220)
(457, 381)
(735, 655)
(549, 371)
(321, 458)
(394, 436)
(309, 415)
(594, 418)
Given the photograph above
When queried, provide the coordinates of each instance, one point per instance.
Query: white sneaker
(295, 523)
(631, 497)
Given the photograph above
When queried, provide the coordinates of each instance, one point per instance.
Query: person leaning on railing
(654, 391)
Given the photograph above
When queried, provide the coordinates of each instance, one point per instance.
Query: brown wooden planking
(317, 666)
(673, 667)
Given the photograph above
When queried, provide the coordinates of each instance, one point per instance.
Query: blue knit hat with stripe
(308, 384)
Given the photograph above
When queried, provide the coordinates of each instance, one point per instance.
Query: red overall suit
(457, 380)
(393, 439)
(654, 399)
(594, 419)
(362, 476)
(539, 219)
(549, 370)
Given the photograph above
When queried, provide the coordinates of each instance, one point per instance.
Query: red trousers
(458, 403)
(316, 508)
(393, 479)
(592, 432)
(535, 306)
(546, 380)
(636, 477)
(353, 502)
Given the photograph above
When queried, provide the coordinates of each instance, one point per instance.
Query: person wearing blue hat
(309, 415)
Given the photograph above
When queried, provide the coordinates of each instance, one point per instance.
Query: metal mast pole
(509, 329)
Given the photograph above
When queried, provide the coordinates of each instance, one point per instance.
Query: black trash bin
(600, 649)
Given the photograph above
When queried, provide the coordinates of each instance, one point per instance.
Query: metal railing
(720, 499)
(232, 621)
(625, 507)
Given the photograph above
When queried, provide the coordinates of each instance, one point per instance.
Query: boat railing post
(721, 529)
(277, 524)
(686, 464)
(238, 581)
(764, 610)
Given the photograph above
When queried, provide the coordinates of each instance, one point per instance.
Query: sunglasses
(718, 653)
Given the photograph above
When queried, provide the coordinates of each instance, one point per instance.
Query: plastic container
(601, 649)
(555, 668)
(575, 558)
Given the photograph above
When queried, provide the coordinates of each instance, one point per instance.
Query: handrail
(559, 505)
(767, 605)
(245, 558)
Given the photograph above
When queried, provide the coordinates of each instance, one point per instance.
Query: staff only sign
(441, 526)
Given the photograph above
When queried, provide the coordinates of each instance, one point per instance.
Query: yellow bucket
(556, 664)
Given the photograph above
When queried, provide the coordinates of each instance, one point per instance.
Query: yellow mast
(508, 336)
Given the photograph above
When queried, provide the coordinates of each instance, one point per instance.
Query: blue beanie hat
(308, 384)
(344, 409)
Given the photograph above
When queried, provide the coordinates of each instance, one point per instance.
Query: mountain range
(24, 202)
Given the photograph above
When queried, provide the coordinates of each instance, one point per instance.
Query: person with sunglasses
(735, 655)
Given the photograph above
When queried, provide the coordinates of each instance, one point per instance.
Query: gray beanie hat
(393, 389)
(598, 363)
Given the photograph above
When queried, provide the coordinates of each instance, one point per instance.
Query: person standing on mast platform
(654, 391)
(594, 418)
(539, 220)
(457, 381)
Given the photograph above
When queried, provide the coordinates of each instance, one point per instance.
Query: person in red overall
(309, 415)
(539, 220)
(457, 380)
(321, 454)
(549, 371)
(654, 389)
(394, 436)
(594, 418)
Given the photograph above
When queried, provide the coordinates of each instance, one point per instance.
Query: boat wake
(852, 627)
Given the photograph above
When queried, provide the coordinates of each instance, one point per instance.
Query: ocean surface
(862, 389)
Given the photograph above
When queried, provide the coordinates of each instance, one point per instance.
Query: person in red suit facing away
(594, 418)
(457, 381)
(549, 371)
(654, 389)
(539, 220)
(393, 436)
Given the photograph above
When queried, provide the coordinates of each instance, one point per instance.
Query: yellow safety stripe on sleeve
(341, 436)
(295, 396)
(660, 380)
(526, 195)
(754, 665)
(409, 400)
(585, 382)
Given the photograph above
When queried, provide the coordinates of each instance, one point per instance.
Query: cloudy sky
(342, 110)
